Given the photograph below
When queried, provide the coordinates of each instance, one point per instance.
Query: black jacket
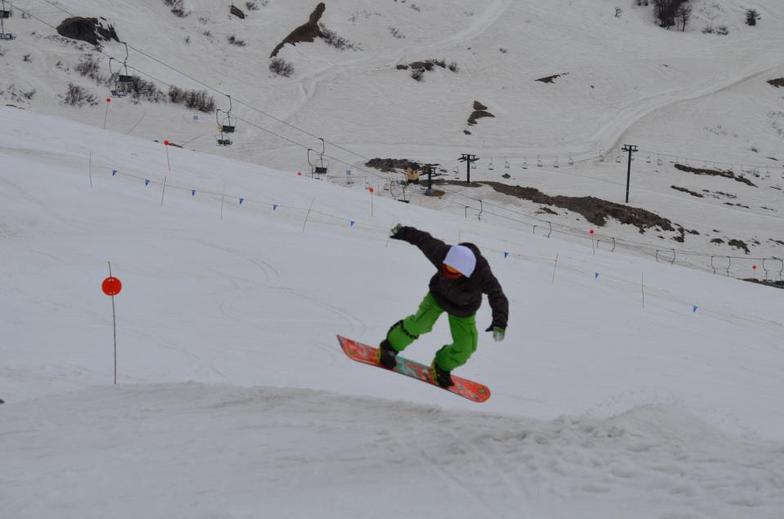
(461, 297)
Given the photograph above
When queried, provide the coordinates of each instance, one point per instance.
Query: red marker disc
(590, 232)
(753, 267)
(108, 99)
(370, 189)
(111, 286)
(166, 142)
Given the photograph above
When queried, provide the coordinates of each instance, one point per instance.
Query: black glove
(498, 332)
(394, 232)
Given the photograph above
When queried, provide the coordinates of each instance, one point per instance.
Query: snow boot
(441, 377)
(387, 355)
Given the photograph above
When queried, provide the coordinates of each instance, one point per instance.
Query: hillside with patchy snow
(692, 99)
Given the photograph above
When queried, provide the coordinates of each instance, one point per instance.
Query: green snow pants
(464, 333)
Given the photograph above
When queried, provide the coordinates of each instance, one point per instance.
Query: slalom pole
(112, 286)
(90, 168)
(106, 112)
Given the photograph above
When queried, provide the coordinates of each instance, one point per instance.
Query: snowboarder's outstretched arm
(434, 249)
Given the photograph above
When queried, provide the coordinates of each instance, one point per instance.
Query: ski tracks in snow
(309, 84)
(272, 285)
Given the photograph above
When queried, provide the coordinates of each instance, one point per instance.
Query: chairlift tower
(225, 124)
(630, 149)
(468, 159)
(4, 15)
(429, 168)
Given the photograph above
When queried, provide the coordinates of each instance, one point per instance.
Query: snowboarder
(463, 276)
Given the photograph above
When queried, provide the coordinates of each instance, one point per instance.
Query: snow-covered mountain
(695, 99)
(626, 386)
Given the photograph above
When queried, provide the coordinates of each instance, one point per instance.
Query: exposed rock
(480, 111)
(778, 82)
(767, 282)
(715, 172)
(684, 190)
(90, 30)
(236, 11)
(551, 79)
(739, 244)
(595, 210)
(545, 210)
(392, 165)
(304, 33)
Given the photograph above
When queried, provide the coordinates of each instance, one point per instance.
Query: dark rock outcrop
(551, 79)
(778, 82)
(595, 210)
(480, 111)
(304, 33)
(236, 11)
(715, 172)
(390, 165)
(91, 30)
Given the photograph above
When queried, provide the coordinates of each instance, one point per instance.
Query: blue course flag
(694, 308)
(146, 181)
(351, 223)
(596, 275)
(274, 207)
(114, 172)
(241, 200)
(193, 192)
(506, 254)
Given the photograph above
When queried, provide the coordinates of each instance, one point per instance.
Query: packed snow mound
(197, 450)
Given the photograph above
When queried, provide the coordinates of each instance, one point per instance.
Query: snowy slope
(681, 96)
(192, 450)
(604, 404)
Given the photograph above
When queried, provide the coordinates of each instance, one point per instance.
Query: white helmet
(462, 259)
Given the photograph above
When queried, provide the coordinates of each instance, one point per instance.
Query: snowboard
(365, 354)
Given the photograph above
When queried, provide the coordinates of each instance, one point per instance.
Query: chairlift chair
(4, 15)
(224, 124)
(119, 88)
(123, 80)
(321, 167)
(490, 166)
